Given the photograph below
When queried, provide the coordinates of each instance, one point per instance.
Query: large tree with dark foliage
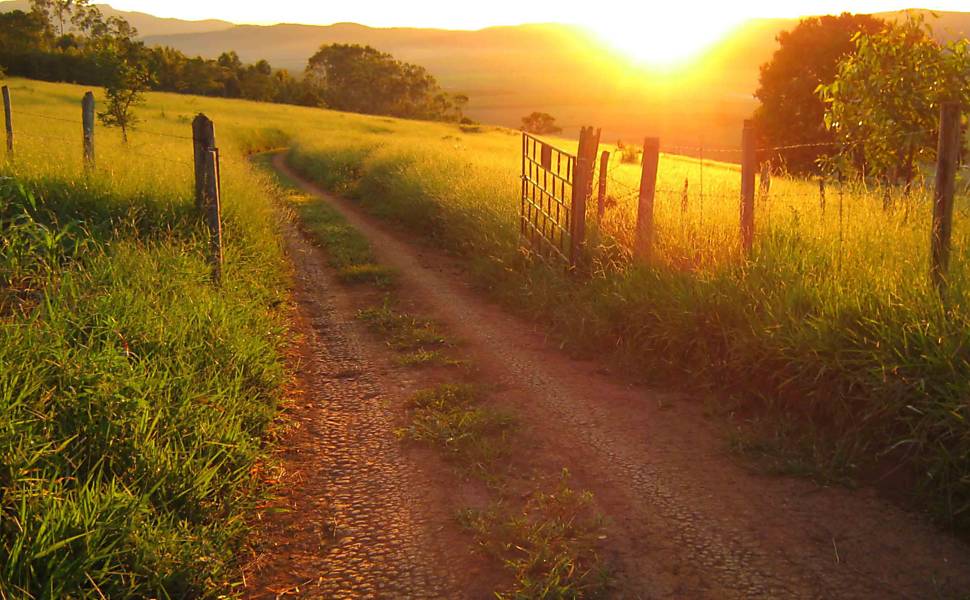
(362, 79)
(791, 112)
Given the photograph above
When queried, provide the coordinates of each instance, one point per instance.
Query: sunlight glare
(665, 38)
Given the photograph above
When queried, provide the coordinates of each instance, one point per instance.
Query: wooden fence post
(582, 180)
(8, 120)
(592, 149)
(748, 168)
(601, 192)
(203, 140)
(946, 168)
(213, 210)
(87, 126)
(648, 189)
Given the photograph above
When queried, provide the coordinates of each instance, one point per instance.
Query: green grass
(451, 417)
(417, 341)
(348, 252)
(831, 324)
(135, 396)
(550, 544)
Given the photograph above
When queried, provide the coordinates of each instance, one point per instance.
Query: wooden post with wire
(211, 192)
(648, 189)
(203, 140)
(582, 190)
(946, 168)
(601, 192)
(87, 128)
(8, 120)
(748, 168)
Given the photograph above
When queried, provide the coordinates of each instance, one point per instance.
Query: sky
(460, 15)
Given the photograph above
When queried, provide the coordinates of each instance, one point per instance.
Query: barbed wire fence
(754, 192)
(205, 160)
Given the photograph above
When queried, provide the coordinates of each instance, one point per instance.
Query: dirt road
(685, 520)
(358, 515)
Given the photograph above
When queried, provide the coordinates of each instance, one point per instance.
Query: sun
(665, 39)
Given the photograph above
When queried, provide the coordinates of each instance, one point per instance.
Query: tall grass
(830, 325)
(134, 395)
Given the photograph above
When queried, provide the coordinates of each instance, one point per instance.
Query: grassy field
(135, 397)
(830, 329)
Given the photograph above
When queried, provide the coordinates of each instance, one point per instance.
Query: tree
(791, 113)
(92, 47)
(460, 101)
(125, 89)
(365, 80)
(540, 123)
(884, 104)
(22, 32)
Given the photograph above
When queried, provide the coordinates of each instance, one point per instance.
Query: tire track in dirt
(686, 519)
(354, 517)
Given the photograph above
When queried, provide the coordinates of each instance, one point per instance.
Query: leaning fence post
(203, 140)
(748, 168)
(601, 192)
(213, 210)
(648, 189)
(8, 120)
(87, 126)
(946, 168)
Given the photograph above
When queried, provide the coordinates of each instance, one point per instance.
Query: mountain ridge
(146, 24)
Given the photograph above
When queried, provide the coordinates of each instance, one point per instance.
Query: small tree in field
(884, 104)
(126, 89)
(540, 123)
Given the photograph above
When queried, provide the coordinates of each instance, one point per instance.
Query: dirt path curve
(686, 521)
(356, 517)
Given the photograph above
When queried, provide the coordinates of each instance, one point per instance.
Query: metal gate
(555, 188)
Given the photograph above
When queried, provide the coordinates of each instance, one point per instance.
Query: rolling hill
(146, 24)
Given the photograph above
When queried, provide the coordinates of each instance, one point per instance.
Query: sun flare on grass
(667, 38)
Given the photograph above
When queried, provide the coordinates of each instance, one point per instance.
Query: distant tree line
(71, 41)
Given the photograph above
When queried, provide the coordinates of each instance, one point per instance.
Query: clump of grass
(33, 247)
(449, 417)
(422, 357)
(348, 251)
(419, 340)
(629, 154)
(550, 544)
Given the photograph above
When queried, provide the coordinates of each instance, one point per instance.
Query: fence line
(206, 163)
(76, 122)
(750, 197)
